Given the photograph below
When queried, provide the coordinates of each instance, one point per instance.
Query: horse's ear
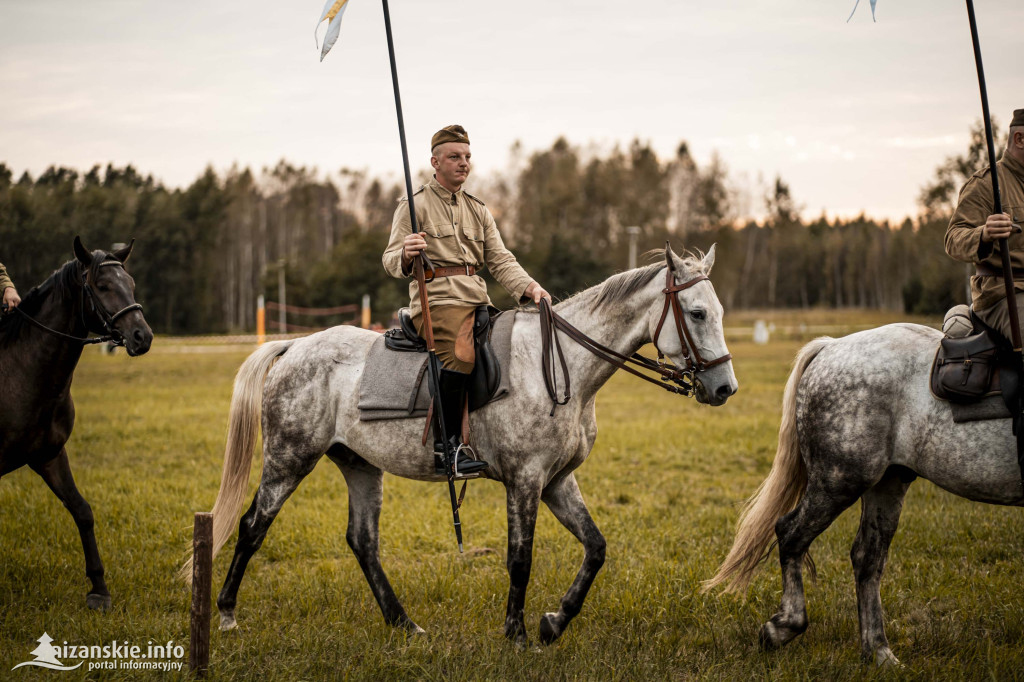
(125, 251)
(668, 257)
(709, 260)
(82, 253)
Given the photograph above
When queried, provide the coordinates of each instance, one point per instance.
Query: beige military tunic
(963, 236)
(460, 231)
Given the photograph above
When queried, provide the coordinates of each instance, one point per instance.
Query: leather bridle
(106, 318)
(672, 378)
(697, 363)
(112, 335)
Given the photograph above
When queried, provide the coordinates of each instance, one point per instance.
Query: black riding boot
(453, 396)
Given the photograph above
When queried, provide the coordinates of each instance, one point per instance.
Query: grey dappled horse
(92, 293)
(859, 421)
(309, 398)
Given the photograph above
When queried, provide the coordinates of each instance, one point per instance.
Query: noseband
(672, 378)
(112, 334)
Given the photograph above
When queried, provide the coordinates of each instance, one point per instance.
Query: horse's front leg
(522, 500)
(563, 498)
(57, 474)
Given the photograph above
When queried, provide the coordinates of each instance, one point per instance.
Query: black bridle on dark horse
(672, 378)
(112, 335)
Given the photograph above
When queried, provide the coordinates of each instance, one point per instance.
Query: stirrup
(471, 467)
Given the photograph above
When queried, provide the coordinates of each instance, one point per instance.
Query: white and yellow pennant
(332, 12)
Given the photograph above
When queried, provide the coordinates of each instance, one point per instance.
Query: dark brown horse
(40, 345)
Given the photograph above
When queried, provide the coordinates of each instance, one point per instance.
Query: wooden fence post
(202, 575)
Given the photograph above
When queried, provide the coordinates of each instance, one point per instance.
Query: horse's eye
(697, 314)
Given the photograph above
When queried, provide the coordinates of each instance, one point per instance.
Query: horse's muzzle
(138, 340)
(716, 397)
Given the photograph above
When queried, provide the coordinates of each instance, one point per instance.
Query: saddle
(974, 369)
(486, 375)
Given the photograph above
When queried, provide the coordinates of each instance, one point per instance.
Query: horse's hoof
(415, 630)
(768, 638)
(98, 602)
(549, 631)
(517, 636)
(227, 622)
(884, 658)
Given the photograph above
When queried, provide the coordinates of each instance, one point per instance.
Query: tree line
(205, 252)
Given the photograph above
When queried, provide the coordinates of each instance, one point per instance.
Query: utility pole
(633, 231)
(282, 316)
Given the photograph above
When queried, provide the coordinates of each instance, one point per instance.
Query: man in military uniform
(10, 294)
(974, 231)
(460, 237)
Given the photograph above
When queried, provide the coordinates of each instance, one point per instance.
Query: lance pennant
(873, 3)
(333, 11)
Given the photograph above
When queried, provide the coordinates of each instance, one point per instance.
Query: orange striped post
(365, 318)
(261, 321)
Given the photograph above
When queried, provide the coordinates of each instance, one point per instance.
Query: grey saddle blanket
(394, 383)
(991, 407)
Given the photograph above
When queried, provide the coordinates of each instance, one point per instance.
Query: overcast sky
(854, 116)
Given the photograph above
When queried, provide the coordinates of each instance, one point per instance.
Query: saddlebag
(964, 368)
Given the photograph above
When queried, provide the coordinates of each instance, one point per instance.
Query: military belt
(454, 270)
(987, 270)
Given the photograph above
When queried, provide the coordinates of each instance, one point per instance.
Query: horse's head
(699, 315)
(109, 306)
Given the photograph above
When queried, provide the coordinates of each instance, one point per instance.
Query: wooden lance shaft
(997, 204)
(419, 266)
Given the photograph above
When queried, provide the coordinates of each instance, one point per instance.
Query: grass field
(664, 483)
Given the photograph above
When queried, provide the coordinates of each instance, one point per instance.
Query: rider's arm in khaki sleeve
(964, 235)
(502, 263)
(400, 229)
(5, 281)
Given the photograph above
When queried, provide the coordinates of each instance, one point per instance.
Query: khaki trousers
(998, 316)
(453, 336)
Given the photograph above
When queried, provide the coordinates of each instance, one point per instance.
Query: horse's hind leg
(57, 474)
(565, 501)
(365, 495)
(816, 511)
(880, 514)
(281, 476)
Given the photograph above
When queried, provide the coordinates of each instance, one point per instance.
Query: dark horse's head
(108, 298)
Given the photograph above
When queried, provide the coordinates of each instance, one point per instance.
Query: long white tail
(777, 495)
(243, 427)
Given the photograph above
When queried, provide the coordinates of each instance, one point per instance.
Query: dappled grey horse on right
(859, 422)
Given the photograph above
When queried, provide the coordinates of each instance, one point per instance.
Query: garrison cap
(1018, 118)
(452, 133)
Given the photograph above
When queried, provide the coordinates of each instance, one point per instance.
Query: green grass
(664, 483)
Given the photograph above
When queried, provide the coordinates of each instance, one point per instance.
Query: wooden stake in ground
(202, 575)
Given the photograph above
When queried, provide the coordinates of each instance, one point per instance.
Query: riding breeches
(998, 316)
(453, 336)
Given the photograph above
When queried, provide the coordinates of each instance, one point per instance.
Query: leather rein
(112, 334)
(672, 378)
